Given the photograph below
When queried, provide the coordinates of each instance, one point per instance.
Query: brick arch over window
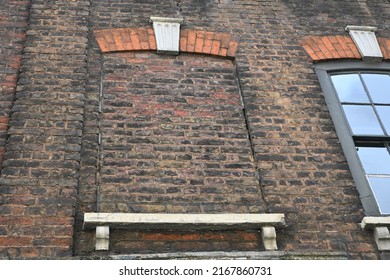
(143, 39)
(338, 47)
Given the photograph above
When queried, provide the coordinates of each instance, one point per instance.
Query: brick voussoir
(384, 44)
(191, 41)
(330, 47)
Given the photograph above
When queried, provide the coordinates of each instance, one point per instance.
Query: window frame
(324, 71)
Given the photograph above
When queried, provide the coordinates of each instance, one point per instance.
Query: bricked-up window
(174, 137)
(358, 96)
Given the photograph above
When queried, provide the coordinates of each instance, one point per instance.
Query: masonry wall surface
(92, 131)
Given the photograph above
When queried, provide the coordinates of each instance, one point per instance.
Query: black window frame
(324, 71)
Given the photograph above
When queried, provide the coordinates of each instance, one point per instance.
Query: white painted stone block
(366, 42)
(102, 238)
(167, 32)
(269, 238)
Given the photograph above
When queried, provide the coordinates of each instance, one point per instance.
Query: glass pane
(384, 115)
(378, 86)
(349, 88)
(362, 120)
(375, 160)
(381, 188)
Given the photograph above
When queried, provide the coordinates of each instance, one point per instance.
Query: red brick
(13, 241)
(199, 44)
(52, 242)
(135, 40)
(143, 39)
(30, 253)
(4, 122)
(384, 44)
(225, 40)
(340, 51)
(125, 33)
(152, 40)
(311, 52)
(328, 43)
(117, 36)
(353, 49)
(8, 220)
(215, 48)
(233, 46)
(183, 40)
(191, 246)
(108, 36)
(104, 47)
(360, 247)
(223, 52)
(342, 40)
(191, 41)
(207, 46)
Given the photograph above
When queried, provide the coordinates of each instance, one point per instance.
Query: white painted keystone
(366, 42)
(167, 33)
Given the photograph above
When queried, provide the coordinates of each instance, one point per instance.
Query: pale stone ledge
(380, 226)
(102, 222)
(225, 255)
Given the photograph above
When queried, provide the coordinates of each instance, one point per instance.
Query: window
(358, 96)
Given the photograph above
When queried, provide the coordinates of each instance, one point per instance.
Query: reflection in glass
(375, 160)
(349, 88)
(384, 115)
(378, 86)
(381, 188)
(362, 120)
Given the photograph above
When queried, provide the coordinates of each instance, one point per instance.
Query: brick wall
(303, 171)
(13, 23)
(95, 131)
(40, 168)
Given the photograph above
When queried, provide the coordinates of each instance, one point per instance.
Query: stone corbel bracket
(380, 226)
(102, 222)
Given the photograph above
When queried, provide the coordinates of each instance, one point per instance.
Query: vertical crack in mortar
(86, 81)
(100, 149)
(18, 77)
(248, 129)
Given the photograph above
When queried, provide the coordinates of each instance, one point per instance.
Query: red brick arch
(143, 39)
(338, 47)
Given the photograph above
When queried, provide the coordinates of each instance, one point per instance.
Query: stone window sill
(102, 222)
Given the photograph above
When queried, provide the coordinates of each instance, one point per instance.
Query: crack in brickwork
(249, 130)
(13, 26)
